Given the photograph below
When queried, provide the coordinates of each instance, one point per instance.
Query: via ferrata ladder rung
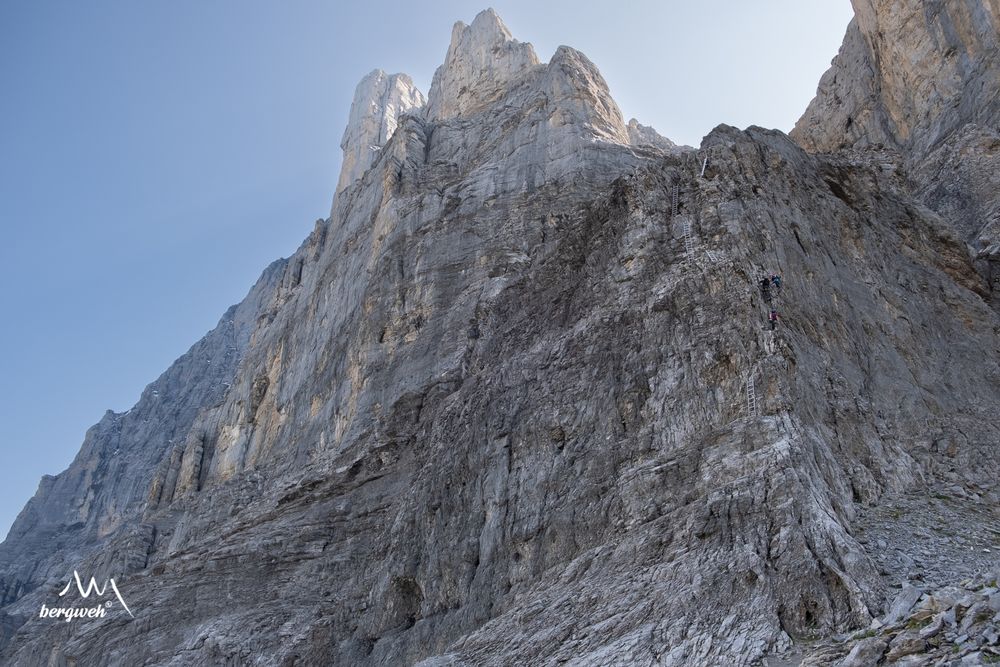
(751, 397)
(688, 242)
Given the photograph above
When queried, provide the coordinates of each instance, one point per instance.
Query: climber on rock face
(776, 281)
(773, 318)
(765, 289)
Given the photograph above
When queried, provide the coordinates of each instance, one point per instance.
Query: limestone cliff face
(516, 402)
(379, 101)
(102, 492)
(922, 78)
(908, 75)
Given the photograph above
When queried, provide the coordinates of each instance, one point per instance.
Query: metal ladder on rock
(751, 397)
(688, 242)
(688, 238)
(675, 202)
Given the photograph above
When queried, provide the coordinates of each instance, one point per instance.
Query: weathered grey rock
(934, 640)
(100, 497)
(960, 179)
(913, 661)
(866, 653)
(921, 77)
(643, 135)
(974, 659)
(379, 101)
(482, 62)
(902, 604)
(495, 409)
(934, 627)
(904, 644)
(977, 613)
(948, 597)
(908, 75)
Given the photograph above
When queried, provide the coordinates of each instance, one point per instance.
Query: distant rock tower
(379, 100)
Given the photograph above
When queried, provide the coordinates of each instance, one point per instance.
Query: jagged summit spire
(482, 59)
(558, 108)
(379, 100)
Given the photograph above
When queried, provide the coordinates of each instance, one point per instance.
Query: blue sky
(155, 156)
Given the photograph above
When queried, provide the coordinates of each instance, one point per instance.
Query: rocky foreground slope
(517, 402)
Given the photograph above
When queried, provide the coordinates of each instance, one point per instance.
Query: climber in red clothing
(773, 317)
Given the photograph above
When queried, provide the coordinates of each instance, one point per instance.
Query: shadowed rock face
(495, 409)
(922, 78)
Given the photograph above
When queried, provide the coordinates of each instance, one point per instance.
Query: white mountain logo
(99, 611)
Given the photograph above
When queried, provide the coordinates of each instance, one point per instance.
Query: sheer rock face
(379, 101)
(960, 179)
(908, 75)
(921, 77)
(846, 110)
(495, 409)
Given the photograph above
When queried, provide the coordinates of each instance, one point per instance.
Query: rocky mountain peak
(581, 96)
(379, 100)
(483, 58)
(644, 135)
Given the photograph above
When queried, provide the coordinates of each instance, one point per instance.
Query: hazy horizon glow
(157, 156)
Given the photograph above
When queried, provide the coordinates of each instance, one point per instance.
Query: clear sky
(155, 156)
